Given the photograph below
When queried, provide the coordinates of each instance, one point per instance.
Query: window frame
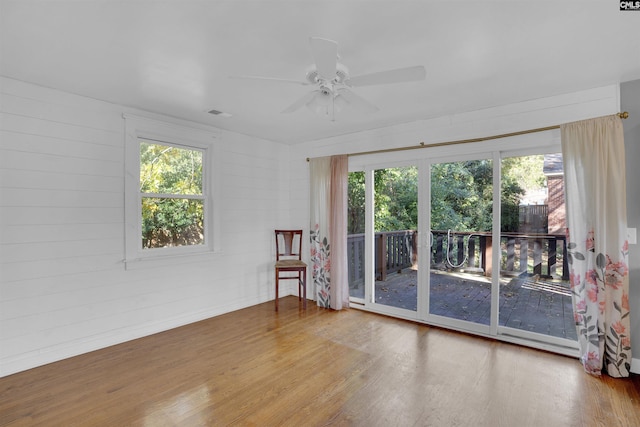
(141, 129)
(202, 196)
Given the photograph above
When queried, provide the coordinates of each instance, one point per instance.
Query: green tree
(519, 175)
(398, 202)
(391, 197)
(396, 199)
(527, 171)
(166, 173)
(461, 195)
(355, 189)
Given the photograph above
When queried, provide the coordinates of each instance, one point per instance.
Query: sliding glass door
(356, 236)
(473, 242)
(461, 217)
(382, 238)
(395, 225)
(535, 295)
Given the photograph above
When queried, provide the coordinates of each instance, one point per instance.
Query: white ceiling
(175, 57)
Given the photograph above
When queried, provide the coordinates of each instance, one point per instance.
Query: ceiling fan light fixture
(321, 103)
(339, 103)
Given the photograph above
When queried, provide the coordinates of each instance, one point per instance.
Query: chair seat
(290, 263)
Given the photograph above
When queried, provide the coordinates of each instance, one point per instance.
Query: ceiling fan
(333, 83)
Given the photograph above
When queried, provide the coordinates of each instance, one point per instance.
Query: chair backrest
(288, 244)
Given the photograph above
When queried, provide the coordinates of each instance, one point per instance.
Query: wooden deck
(526, 302)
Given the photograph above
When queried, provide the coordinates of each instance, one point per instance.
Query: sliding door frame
(369, 296)
(539, 143)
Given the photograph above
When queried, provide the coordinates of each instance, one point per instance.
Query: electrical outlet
(632, 237)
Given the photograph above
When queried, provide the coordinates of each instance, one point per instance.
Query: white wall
(630, 102)
(64, 289)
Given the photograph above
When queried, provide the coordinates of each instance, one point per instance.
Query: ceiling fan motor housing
(326, 90)
(341, 76)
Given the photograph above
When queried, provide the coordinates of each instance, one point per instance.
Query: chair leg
(276, 289)
(304, 287)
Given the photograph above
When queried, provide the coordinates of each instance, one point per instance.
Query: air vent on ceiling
(219, 113)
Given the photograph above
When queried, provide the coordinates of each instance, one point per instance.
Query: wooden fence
(533, 218)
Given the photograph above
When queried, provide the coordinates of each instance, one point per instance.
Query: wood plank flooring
(317, 367)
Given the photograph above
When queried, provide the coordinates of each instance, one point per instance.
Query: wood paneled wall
(64, 289)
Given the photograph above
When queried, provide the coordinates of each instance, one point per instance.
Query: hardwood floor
(315, 367)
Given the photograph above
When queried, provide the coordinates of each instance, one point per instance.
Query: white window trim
(139, 129)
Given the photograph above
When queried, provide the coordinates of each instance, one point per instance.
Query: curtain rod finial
(623, 115)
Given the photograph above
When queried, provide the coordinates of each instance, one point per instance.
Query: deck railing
(542, 254)
(394, 251)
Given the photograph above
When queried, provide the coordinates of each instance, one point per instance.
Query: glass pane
(535, 294)
(170, 170)
(172, 222)
(461, 224)
(355, 234)
(395, 225)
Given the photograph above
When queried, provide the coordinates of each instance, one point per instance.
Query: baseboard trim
(44, 356)
(41, 357)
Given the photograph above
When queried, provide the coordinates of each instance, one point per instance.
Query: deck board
(527, 303)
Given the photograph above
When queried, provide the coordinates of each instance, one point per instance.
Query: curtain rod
(622, 115)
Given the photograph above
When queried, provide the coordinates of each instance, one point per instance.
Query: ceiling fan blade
(325, 55)
(357, 101)
(301, 102)
(409, 74)
(273, 79)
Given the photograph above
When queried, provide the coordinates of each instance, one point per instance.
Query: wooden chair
(289, 260)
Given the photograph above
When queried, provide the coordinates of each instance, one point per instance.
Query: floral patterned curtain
(594, 167)
(328, 176)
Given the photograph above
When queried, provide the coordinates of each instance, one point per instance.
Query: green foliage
(355, 221)
(170, 170)
(526, 171)
(166, 173)
(519, 174)
(396, 199)
(461, 195)
(510, 204)
(171, 222)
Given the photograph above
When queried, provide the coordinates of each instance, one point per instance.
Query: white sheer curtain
(328, 216)
(338, 232)
(594, 167)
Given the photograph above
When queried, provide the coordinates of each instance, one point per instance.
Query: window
(168, 190)
(172, 200)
